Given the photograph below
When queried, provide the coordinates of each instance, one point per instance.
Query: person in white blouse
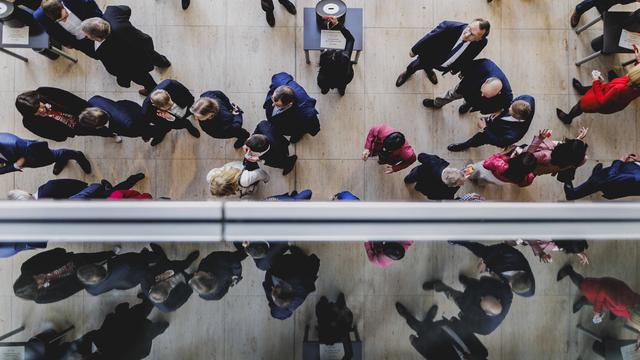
(234, 179)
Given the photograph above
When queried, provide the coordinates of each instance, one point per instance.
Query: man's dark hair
(257, 250)
(520, 166)
(393, 141)
(28, 102)
(572, 246)
(52, 9)
(91, 274)
(204, 283)
(571, 152)
(257, 143)
(284, 94)
(484, 25)
(393, 250)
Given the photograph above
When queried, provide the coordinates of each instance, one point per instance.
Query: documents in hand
(628, 38)
(331, 352)
(629, 352)
(15, 36)
(332, 39)
(12, 352)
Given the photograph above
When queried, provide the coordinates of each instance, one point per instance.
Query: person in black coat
(71, 188)
(289, 281)
(505, 262)
(50, 276)
(126, 52)
(483, 305)
(166, 282)
(17, 153)
(290, 109)
(61, 18)
(168, 107)
(53, 114)
(263, 253)
(121, 272)
(122, 118)
(219, 117)
(267, 145)
(216, 273)
(619, 180)
(502, 129)
(434, 178)
(335, 321)
(448, 48)
(126, 333)
(446, 339)
(336, 68)
(484, 87)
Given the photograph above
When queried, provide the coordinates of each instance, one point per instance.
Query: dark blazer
(127, 51)
(52, 129)
(179, 95)
(36, 153)
(503, 133)
(434, 343)
(475, 74)
(83, 9)
(50, 260)
(226, 267)
(60, 188)
(619, 180)
(279, 145)
(500, 258)
(336, 68)
(123, 272)
(298, 120)
(429, 178)
(224, 121)
(298, 270)
(125, 117)
(436, 47)
(469, 303)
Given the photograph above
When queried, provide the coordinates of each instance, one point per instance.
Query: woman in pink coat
(385, 253)
(391, 148)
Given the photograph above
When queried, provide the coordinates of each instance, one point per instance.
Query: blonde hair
(452, 177)
(160, 99)
(224, 181)
(19, 195)
(205, 107)
(634, 76)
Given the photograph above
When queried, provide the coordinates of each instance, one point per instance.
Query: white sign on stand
(332, 39)
(15, 36)
(12, 352)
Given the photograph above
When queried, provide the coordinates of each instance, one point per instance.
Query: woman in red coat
(605, 98)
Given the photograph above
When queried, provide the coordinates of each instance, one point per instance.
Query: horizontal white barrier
(313, 221)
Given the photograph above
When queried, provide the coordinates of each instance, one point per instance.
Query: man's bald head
(491, 87)
(490, 305)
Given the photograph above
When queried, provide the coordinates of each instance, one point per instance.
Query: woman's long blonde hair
(225, 181)
(634, 76)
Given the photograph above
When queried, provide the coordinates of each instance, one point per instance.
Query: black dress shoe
(563, 272)
(137, 177)
(341, 91)
(436, 285)
(157, 140)
(144, 92)
(596, 168)
(85, 165)
(402, 78)
(193, 131)
(295, 139)
(324, 91)
(577, 85)
(292, 164)
(464, 108)
(429, 103)
(431, 75)
(185, 4)
(289, 6)
(456, 147)
(575, 19)
(402, 310)
(564, 117)
(163, 62)
(271, 20)
(579, 304)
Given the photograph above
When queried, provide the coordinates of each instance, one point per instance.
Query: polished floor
(227, 45)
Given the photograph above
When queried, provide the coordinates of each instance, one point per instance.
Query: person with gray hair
(435, 178)
(125, 51)
(216, 273)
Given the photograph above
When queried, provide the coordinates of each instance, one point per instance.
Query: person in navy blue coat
(430, 177)
(289, 281)
(267, 145)
(61, 19)
(122, 117)
(8, 249)
(484, 87)
(293, 196)
(619, 180)
(58, 189)
(447, 48)
(505, 262)
(17, 153)
(290, 109)
(216, 273)
(168, 107)
(345, 196)
(502, 129)
(219, 117)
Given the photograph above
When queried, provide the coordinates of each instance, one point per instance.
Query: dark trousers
(587, 188)
(179, 123)
(57, 156)
(477, 249)
(145, 80)
(574, 112)
(236, 132)
(416, 65)
(267, 5)
(601, 5)
(130, 182)
(478, 140)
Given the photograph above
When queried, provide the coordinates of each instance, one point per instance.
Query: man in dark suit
(50, 276)
(70, 188)
(122, 272)
(502, 129)
(484, 87)
(619, 180)
(216, 273)
(123, 118)
(267, 6)
(446, 339)
(263, 253)
(448, 48)
(165, 284)
(289, 280)
(62, 19)
(267, 145)
(168, 107)
(290, 109)
(219, 117)
(434, 178)
(483, 305)
(505, 262)
(17, 153)
(126, 52)
(601, 5)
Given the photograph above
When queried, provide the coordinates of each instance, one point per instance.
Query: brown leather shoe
(402, 78)
(431, 75)
(143, 92)
(575, 19)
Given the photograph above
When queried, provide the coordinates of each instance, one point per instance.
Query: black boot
(271, 20)
(564, 272)
(579, 304)
(185, 4)
(289, 6)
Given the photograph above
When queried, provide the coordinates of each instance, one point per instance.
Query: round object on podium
(333, 8)
(10, 15)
